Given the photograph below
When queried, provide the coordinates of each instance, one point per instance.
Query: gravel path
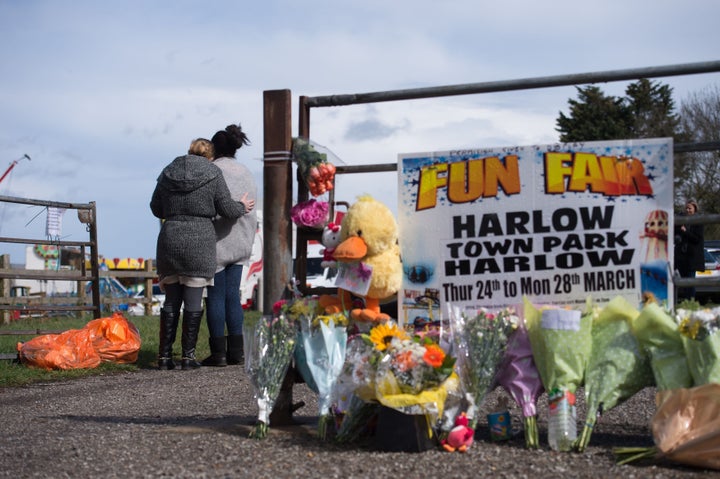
(195, 424)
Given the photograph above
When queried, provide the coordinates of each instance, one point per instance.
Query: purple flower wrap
(518, 373)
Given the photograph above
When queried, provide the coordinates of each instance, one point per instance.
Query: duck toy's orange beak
(352, 249)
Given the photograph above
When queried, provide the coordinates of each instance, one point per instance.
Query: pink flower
(311, 213)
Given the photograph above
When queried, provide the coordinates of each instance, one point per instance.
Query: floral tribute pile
(441, 380)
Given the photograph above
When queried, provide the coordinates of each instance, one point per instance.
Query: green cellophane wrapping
(661, 340)
(618, 368)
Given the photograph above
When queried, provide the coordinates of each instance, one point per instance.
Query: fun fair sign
(557, 223)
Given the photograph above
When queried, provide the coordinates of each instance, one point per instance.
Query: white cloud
(103, 95)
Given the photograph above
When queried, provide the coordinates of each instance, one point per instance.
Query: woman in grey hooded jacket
(190, 192)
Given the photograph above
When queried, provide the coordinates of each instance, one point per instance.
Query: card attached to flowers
(354, 277)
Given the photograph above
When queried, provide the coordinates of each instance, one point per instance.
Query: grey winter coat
(235, 237)
(190, 192)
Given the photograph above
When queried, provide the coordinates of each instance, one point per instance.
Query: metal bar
(41, 307)
(41, 241)
(57, 204)
(26, 301)
(60, 275)
(32, 332)
(681, 282)
(519, 84)
(376, 168)
(699, 146)
(697, 219)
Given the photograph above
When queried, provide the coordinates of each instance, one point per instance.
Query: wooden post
(94, 260)
(277, 201)
(148, 288)
(5, 286)
(277, 196)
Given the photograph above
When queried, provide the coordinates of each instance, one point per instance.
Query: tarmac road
(195, 424)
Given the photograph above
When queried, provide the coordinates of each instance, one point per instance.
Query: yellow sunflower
(382, 334)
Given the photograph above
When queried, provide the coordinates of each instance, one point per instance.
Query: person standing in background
(235, 239)
(689, 250)
(190, 192)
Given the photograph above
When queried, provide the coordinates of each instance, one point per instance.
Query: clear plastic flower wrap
(324, 343)
(269, 344)
(480, 339)
(313, 166)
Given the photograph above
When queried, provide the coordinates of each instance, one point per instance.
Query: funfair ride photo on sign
(557, 223)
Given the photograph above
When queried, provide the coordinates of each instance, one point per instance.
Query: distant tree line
(648, 111)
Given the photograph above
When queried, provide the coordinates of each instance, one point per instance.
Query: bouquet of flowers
(660, 338)
(324, 343)
(617, 368)
(561, 343)
(269, 344)
(311, 214)
(520, 378)
(480, 341)
(313, 166)
(700, 331)
(354, 393)
(409, 374)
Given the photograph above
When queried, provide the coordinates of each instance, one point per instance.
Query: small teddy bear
(330, 239)
(460, 437)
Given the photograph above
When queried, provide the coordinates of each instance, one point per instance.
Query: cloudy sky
(102, 95)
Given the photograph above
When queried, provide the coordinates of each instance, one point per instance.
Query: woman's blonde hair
(202, 147)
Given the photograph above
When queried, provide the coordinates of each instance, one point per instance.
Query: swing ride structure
(86, 215)
(12, 165)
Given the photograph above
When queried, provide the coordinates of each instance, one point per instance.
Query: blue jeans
(223, 303)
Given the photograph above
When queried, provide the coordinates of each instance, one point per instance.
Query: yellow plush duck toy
(369, 241)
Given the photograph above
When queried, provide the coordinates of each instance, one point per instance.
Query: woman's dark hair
(229, 140)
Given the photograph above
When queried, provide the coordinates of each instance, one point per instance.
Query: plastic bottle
(562, 420)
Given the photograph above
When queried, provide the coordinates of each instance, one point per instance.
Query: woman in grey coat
(190, 192)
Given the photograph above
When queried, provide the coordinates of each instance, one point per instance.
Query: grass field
(14, 374)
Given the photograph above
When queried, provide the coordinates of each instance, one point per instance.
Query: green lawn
(13, 374)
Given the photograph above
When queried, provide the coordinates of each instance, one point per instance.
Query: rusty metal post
(277, 196)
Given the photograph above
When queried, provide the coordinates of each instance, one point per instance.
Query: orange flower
(434, 355)
(404, 361)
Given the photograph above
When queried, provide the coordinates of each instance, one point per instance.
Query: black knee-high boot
(190, 329)
(168, 328)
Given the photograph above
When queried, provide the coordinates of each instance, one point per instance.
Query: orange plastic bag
(686, 425)
(112, 339)
(72, 349)
(115, 339)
